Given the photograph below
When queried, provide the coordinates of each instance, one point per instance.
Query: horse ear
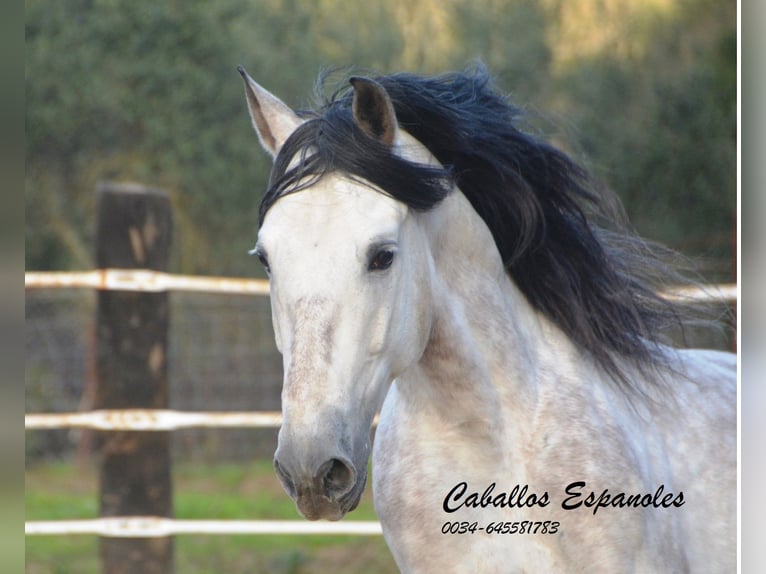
(273, 120)
(373, 110)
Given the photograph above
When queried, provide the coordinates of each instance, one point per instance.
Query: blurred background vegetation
(642, 91)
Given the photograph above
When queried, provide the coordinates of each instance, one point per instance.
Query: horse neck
(488, 349)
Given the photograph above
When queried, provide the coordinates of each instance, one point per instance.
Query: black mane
(598, 286)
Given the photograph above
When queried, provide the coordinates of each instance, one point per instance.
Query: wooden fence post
(134, 230)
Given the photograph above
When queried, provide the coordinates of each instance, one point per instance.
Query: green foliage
(510, 38)
(663, 133)
(148, 91)
(133, 91)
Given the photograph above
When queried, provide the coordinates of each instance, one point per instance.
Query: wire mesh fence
(222, 357)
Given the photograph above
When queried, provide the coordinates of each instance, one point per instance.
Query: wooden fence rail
(159, 527)
(143, 280)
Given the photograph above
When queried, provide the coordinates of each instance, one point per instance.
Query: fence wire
(222, 357)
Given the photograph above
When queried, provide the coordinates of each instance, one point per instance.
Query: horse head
(349, 270)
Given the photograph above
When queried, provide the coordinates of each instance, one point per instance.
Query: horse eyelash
(261, 255)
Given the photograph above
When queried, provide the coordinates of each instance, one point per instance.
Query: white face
(349, 273)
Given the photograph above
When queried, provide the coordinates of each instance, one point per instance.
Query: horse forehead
(335, 209)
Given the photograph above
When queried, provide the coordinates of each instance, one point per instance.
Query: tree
(645, 91)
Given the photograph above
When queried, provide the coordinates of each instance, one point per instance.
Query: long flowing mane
(547, 215)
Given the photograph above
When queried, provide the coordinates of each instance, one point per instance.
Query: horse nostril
(284, 478)
(337, 477)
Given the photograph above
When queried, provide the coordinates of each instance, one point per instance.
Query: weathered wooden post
(134, 230)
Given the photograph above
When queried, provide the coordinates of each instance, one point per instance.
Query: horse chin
(319, 507)
(313, 506)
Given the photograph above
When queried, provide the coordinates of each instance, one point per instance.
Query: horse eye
(382, 260)
(264, 260)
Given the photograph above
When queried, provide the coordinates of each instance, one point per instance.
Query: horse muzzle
(328, 492)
